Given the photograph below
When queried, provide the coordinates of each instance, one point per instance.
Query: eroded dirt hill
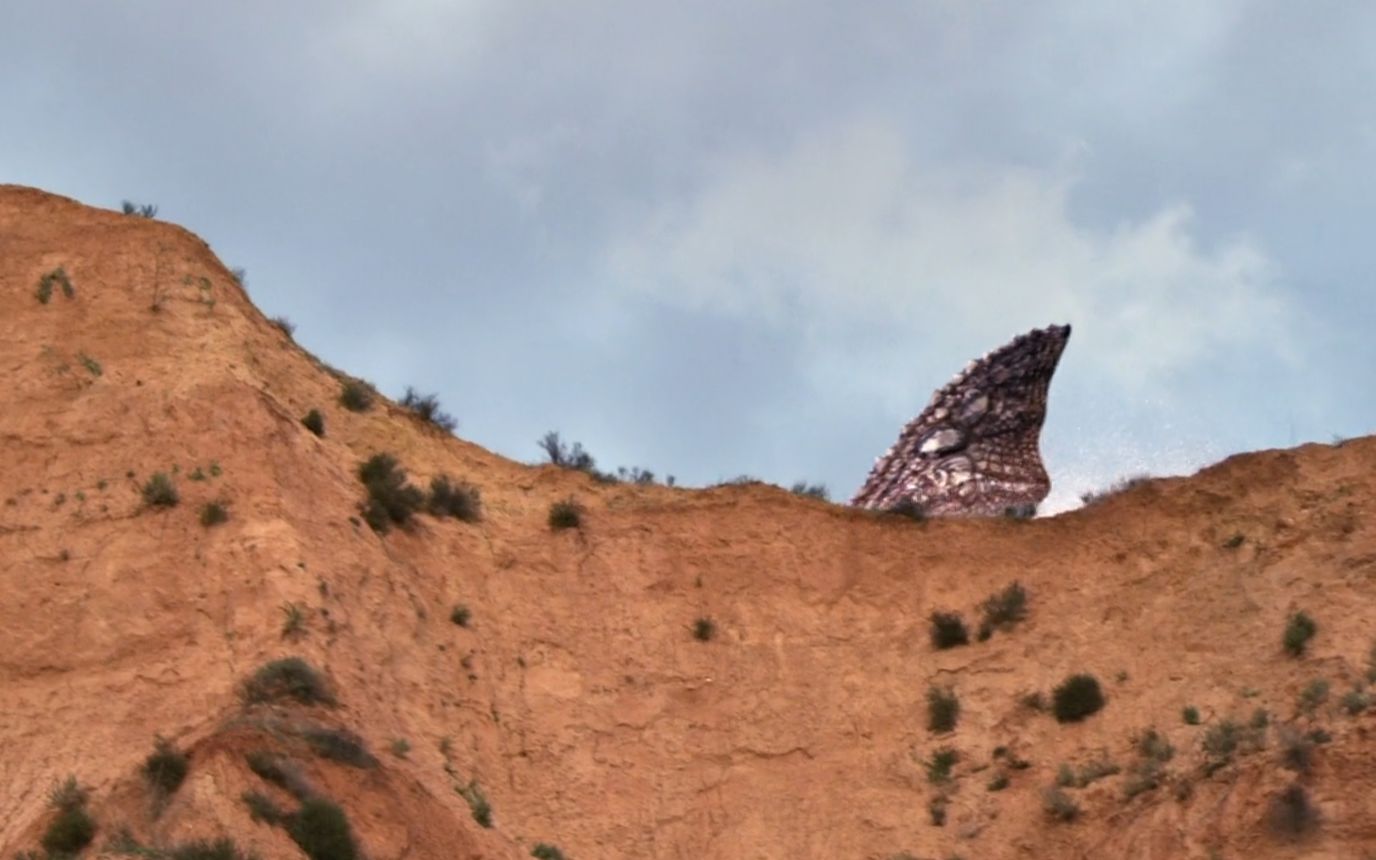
(577, 700)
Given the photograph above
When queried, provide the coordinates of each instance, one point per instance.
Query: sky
(722, 238)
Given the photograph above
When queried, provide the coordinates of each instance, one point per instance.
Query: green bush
(545, 851)
(1003, 610)
(449, 498)
(1298, 631)
(1292, 813)
(567, 458)
(57, 277)
(1190, 715)
(160, 492)
(262, 808)
(939, 768)
(288, 678)
(314, 422)
(72, 830)
(704, 629)
(948, 630)
(214, 514)
(356, 395)
(1077, 697)
(1315, 693)
(165, 767)
(909, 508)
(1059, 806)
(391, 500)
(943, 709)
(427, 408)
(460, 615)
(322, 830)
(565, 514)
(339, 745)
(477, 803)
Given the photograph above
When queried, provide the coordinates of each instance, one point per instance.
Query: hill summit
(245, 598)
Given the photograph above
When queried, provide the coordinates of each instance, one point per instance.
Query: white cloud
(877, 258)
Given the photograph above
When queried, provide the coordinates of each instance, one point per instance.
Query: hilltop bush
(948, 630)
(1298, 631)
(565, 457)
(391, 500)
(943, 709)
(287, 678)
(141, 210)
(166, 767)
(322, 830)
(427, 408)
(285, 326)
(1077, 697)
(910, 509)
(314, 422)
(1121, 485)
(356, 395)
(454, 499)
(812, 491)
(160, 492)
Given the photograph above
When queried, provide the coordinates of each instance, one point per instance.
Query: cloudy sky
(716, 238)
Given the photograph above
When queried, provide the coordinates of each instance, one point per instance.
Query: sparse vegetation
(565, 514)
(460, 615)
(339, 745)
(998, 782)
(140, 210)
(1296, 749)
(1147, 773)
(1225, 739)
(943, 709)
(214, 514)
(812, 491)
(449, 498)
(1024, 511)
(1355, 701)
(321, 829)
(1077, 697)
(545, 851)
(1087, 774)
(356, 395)
(427, 408)
(92, 366)
(936, 810)
(1315, 693)
(1059, 806)
(391, 499)
(941, 764)
(1002, 611)
(293, 620)
(73, 828)
(56, 278)
(160, 492)
(165, 768)
(477, 803)
(1190, 714)
(401, 747)
(948, 630)
(314, 422)
(1298, 631)
(285, 326)
(1033, 700)
(1234, 542)
(287, 678)
(1292, 813)
(1119, 486)
(704, 629)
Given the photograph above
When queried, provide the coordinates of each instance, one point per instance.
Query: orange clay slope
(577, 704)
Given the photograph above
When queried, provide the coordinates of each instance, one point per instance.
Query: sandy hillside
(576, 704)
